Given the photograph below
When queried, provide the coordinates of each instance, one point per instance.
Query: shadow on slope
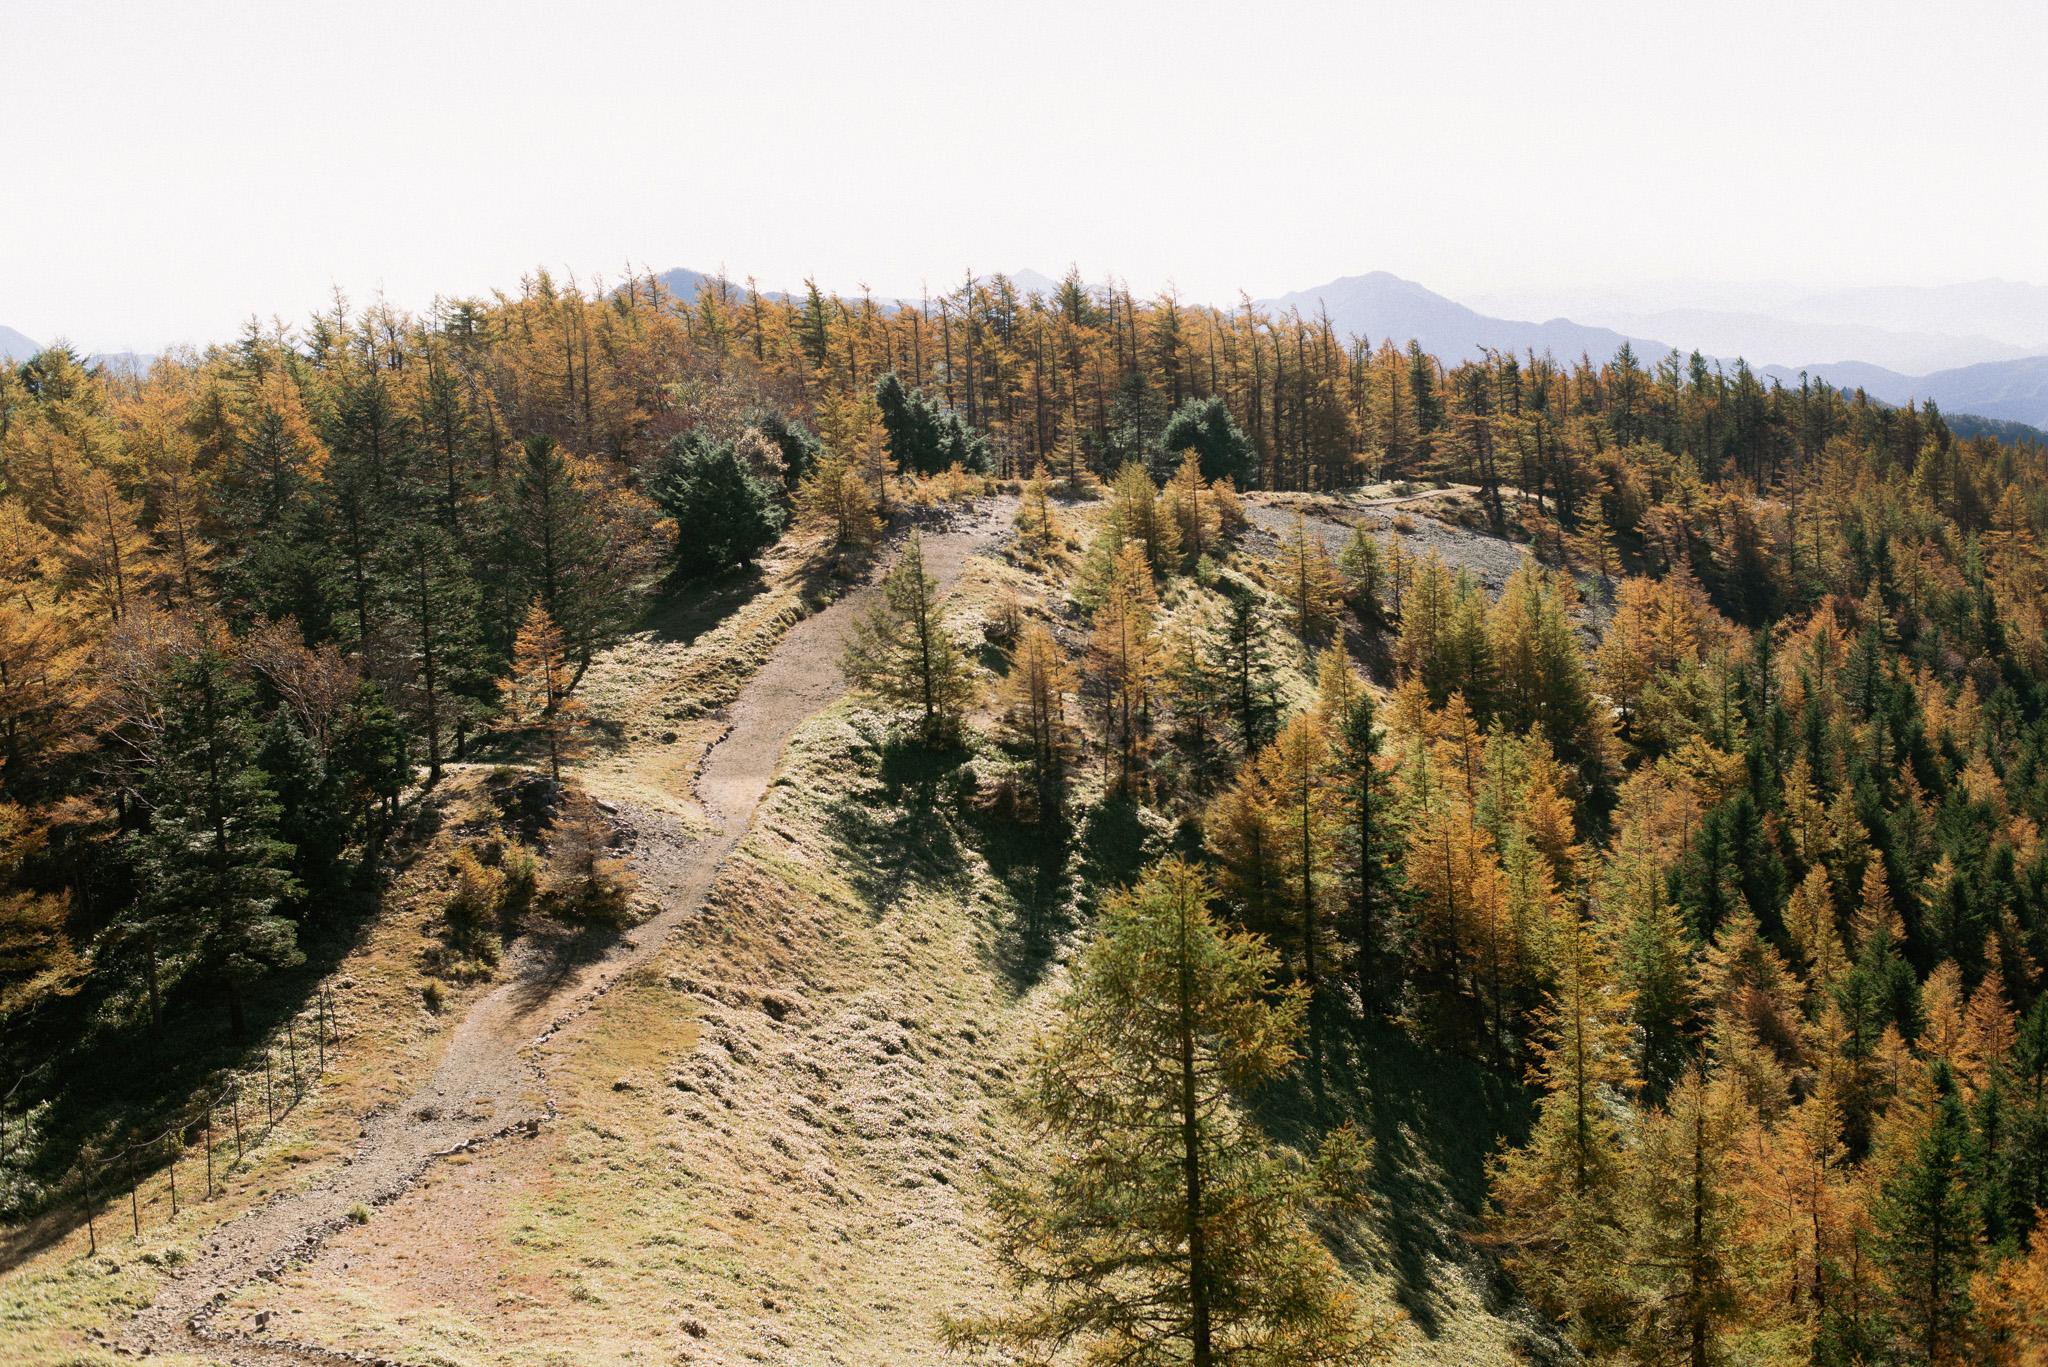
(1435, 1120)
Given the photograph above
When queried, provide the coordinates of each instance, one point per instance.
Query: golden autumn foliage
(537, 692)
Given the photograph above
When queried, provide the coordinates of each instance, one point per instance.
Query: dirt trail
(486, 1086)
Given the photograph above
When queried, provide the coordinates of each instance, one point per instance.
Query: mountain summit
(1381, 304)
(16, 346)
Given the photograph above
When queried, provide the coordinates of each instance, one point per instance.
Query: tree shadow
(111, 1080)
(687, 608)
(898, 823)
(112, 1083)
(1435, 1119)
(550, 954)
(1031, 860)
(1372, 645)
(1116, 843)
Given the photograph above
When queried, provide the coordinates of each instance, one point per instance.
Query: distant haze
(196, 165)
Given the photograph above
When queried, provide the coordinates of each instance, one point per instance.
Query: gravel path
(485, 1086)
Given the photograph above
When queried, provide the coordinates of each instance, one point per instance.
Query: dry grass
(950, 486)
(52, 1311)
(767, 1143)
(655, 697)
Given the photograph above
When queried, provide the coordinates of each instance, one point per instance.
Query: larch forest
(1283, 849)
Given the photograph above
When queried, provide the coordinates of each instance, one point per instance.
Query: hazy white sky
(176, 167)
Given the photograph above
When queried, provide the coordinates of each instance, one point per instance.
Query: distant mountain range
(684, 283)
(1379, 305)
(1979, 348)
(2008, 310)
(1913, 329)
(1768, 338)
(17, 347)
(2012, 391)
(2012, 388)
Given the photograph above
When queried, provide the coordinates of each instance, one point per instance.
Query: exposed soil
(1331, 516)
(487, 1084)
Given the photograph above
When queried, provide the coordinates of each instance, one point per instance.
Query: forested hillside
(1657, 752)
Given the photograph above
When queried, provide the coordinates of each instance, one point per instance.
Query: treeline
(1096, 375)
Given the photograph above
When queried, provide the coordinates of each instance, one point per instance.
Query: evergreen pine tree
(1561, 1198)
(212, 870)
(724, 515)
(371, 755)
(312, 806)
(1205, 429)
(1241, 678)
(581, 542)
(902, 652)
(1656, 956)
(1368, 846)
(436, 609)
(1153, 1222)
(925, 436)
(1925, 1241)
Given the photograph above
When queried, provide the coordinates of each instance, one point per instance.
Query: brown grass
(766, 1144)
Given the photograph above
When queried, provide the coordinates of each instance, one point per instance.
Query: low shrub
(587, 884)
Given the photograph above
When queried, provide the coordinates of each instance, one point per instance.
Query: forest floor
(750, 1129)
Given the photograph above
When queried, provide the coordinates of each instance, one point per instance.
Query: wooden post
(291, 1040)
(92, 1234)
(134, 1206)
(323, 1030)
(269, 1093)
(174, 1182)
(235, 1110)
(209, 1149)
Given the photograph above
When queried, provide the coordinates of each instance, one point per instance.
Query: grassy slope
(769, 1139)
(55, 1302)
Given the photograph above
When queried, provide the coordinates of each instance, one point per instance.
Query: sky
(176, 168)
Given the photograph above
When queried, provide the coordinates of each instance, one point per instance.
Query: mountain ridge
(1382, 304)
(2007, 391)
